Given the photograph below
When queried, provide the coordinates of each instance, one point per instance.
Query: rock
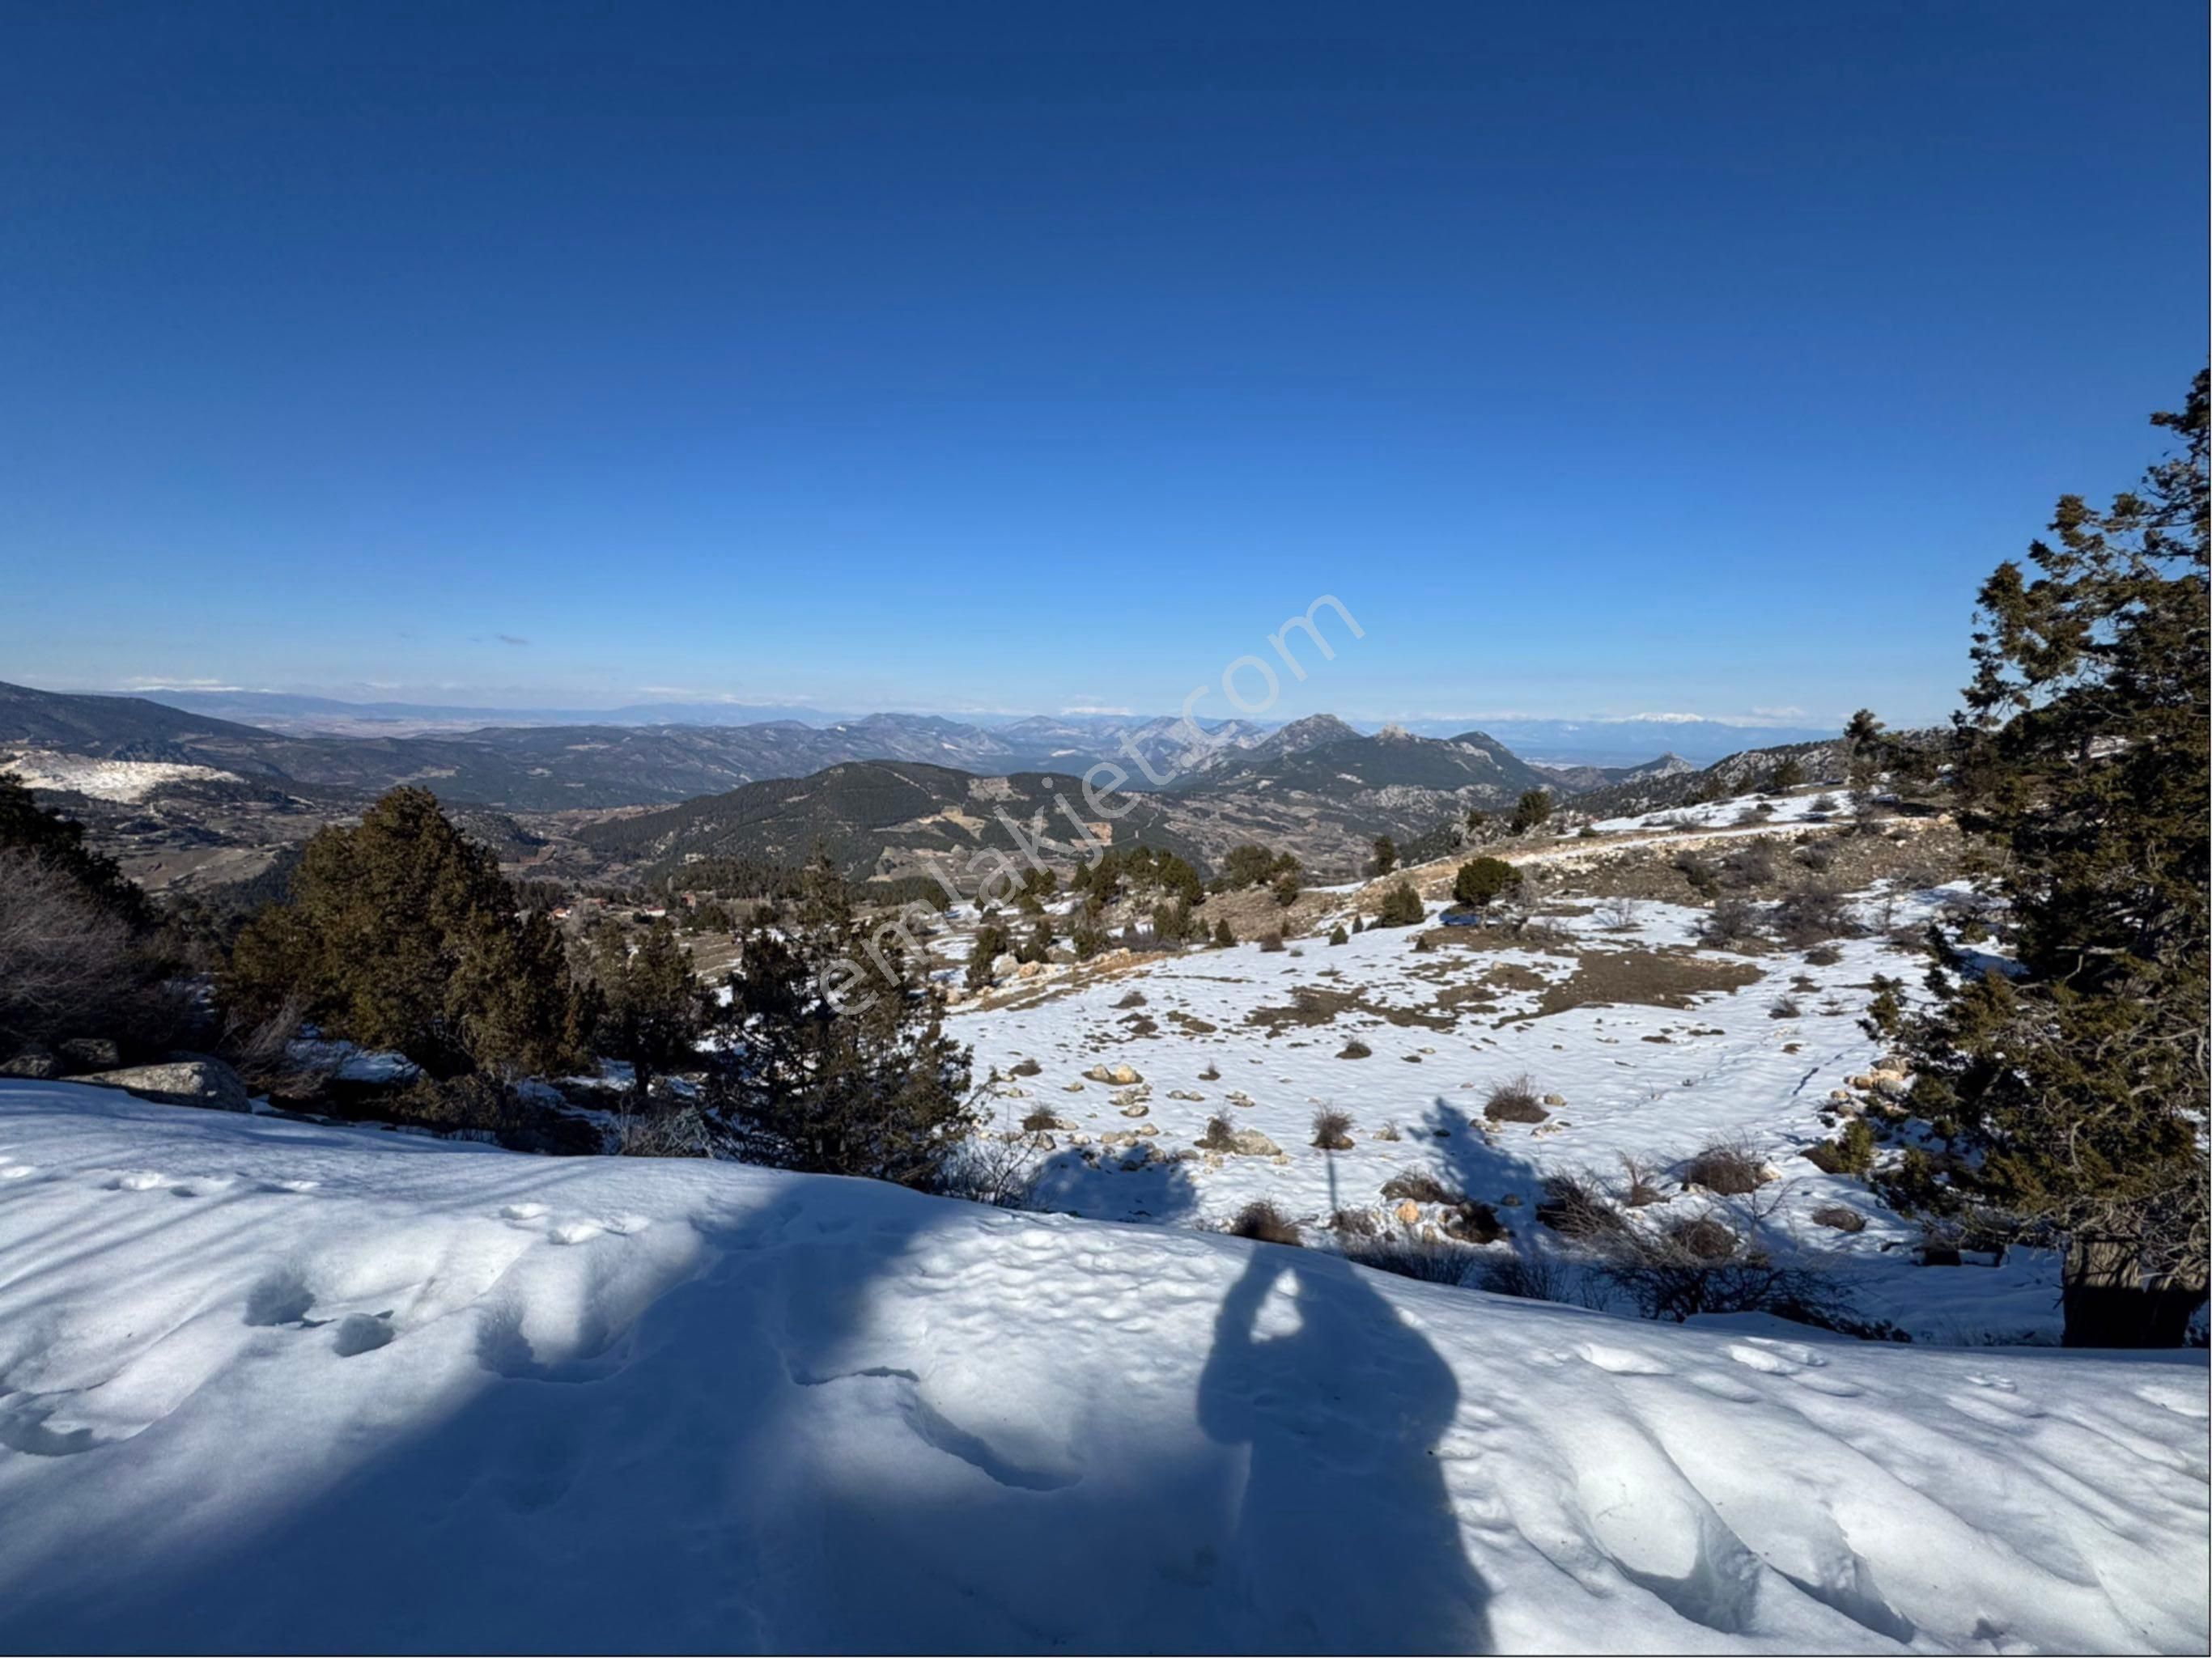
(1251, 1143)
(1030, 970)
(1121, 1076)
(1185, 1094)
(90, 1054)
(1840, 1095)
(208, 1082)
(1555, 1099)
(1139, 1109)
(1408, 1212)
(1004, 967)
(1071, 1088)
(34, 1062)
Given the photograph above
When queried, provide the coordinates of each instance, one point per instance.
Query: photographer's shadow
(1346, 1526)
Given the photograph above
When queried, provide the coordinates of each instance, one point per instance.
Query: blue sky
(1600, 358)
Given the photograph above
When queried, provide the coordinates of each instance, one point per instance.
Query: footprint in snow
(575, 1231)
(1620, 1360)
(16, 1171)
(290, 1185)
(363, 1332)
(522, 1212)
(137, 1180)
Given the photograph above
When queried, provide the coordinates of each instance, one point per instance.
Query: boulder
(1121, 1076)
(1251, 1143)
(1408, 1212)
(90, 1054)
(34, 1062)
(208, 1082)
(1004, 967)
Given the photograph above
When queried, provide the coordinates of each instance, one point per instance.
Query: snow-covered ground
(274, 1386)
(103, 779)
(1443, 1027)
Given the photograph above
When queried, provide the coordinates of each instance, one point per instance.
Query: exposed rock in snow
(104, 779)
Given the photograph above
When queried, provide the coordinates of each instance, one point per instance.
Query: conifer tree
(2081, 760)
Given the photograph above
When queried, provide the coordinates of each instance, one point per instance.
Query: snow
(104, 779)
(1657, 1083)
(269, 1385)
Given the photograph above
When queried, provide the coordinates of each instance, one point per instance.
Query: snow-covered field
(1444, 1026)
(274, 1386)
(103, 779)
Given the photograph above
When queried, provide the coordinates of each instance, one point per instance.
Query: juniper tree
(2080, 762)
(401, 933)
(1386, 854)
(840, 1064)
(647, 1006)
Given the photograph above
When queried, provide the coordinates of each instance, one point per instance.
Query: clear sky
(1601, 358)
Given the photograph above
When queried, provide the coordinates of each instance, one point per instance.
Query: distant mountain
(1630, 740)
(1471, 762)
(1735, 773)
(113, 728)
(875, 819)
(1580, 780)
(281, 711)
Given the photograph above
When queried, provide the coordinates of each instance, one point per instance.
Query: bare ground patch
(1649, 977)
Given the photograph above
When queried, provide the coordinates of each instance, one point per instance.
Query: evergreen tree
(1386, 854)
(1286, 889)
(990, 942)
(1530, 809)
(1863, 751)
(44, 834)
(841, 1066)
(1482, 880)
(2081, 758)
(1224, 935)
(401, 933)
(648, 1007)
(1400, 907)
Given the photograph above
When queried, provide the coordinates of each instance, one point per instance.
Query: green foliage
(1482, 880)
(990, 942)
(2081, 760)
(1286, 890)
(1530, 809)
(1038, 944)
(401, 934)
(1250, 865)
(1386, 854)
(1223, 934)
(646, 1005)
(1086, 940)
(1138, 869)
(1401, 906)
(1337, 935)
(842, 1065)
(1174, 924)
(1789, 775)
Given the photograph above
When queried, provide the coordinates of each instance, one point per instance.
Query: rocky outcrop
(208, 1082)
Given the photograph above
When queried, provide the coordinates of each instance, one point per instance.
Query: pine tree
(401, 933)
(841, 1065)
(2082, 759)
(1530, 809)
(1386, 854)
(648, 1008)
(1482, 880)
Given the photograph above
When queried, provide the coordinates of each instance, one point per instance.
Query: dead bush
(1332, 1129)
(1262, 1220)
(67, 966)
(1039, 1121)
(1698, 870)
(1211, 1074)
(1024, 1068)
(1354, 1048)
(1670, 1276)
(1639, 1185)
(1725, 1167)
(1353, 1223)
(1515, 1101)
(1812, 916)
(1134, 999)
(1750, 866)
(1704, 1236)
(1787, 1008)
(1220, 1134)
(1525, 1279)
(1731, 921)
(1574, 1207)
(1419, 1259)
(1272, 941)
(1823, 956)
(1837, 1216)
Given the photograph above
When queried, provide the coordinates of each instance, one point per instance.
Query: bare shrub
(1262, 1220)
(1698, 870)
(1211, 1074)
(1389, 1131)
(1332, 1129)
(1618, 914)
(1787, 1008)
(1354, 1048)
(1837, 1216)
(683, 1132)
(1815, 855)
(1024, 1068)
(1039, 1121)
(1639, 1185)
(1812, 916)
(1731, 921)
(1705, 1265)
(1574, 1207)
(1750, 866)
(1353, 1223)
(1726, 1167)
(1134, 999)
(1525, 1279)
(67, 967)
(1220, 1134)
(1273, 940)
(1824, 955)
(988, 1169)
(1418, 1258)
(1703, 1236)
(1515, 1101)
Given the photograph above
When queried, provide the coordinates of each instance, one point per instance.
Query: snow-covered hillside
(104, 779)
(274, 1386)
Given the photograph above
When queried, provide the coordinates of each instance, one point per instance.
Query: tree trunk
(2108, 1304)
